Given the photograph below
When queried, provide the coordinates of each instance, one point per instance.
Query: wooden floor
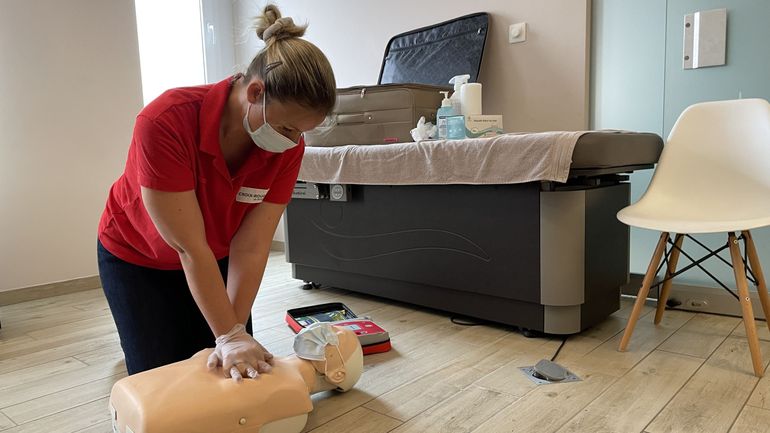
(60, 356)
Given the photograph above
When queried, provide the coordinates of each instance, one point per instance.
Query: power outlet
(697, 303)
(517, 33)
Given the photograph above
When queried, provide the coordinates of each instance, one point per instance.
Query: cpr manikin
(188, 397)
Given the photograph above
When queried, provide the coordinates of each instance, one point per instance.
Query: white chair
(713, 176)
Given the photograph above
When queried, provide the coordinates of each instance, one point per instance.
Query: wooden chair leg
(644, 291)
(748, 313)
(756, 267)
(666, 289)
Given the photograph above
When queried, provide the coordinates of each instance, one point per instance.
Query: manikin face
(352, 362)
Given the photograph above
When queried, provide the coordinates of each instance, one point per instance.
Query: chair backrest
(717, 156)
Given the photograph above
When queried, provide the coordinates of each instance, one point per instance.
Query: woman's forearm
(208, 289)
(179, 222)
(249, 250)
(244, 276)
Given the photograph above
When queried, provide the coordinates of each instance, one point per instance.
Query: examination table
(518, 229)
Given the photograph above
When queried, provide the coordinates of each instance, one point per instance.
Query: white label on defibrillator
(251, 195)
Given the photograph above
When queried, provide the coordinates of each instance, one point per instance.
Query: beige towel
(509, 158)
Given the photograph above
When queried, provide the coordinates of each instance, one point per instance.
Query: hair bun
(278, 28)
(272, 26)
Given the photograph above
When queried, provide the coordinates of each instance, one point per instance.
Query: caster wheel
(530, 333)
(309, 285)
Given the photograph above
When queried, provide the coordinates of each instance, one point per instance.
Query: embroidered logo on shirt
(251, 195)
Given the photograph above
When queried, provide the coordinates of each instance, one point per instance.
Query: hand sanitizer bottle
(443, 112)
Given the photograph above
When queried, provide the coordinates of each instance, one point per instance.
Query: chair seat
(689, 220)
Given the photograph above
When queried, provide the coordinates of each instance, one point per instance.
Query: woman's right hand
(240, 355)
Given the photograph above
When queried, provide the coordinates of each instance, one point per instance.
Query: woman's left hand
(240, 355)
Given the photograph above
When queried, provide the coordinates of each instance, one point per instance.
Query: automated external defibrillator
(372, 337)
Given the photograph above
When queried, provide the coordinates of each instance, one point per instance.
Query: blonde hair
(292, 68)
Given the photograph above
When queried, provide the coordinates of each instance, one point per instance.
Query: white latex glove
(240, 355)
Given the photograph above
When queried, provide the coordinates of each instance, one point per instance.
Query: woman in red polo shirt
(187, 228)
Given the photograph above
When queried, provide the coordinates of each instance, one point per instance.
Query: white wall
(69, 92)
(538, 85)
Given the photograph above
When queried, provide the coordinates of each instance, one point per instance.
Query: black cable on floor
(559, 349)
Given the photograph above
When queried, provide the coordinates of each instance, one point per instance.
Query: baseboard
(713, 300)
(31, 293)
(634, 283)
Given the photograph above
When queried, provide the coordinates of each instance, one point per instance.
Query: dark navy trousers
(157, 318)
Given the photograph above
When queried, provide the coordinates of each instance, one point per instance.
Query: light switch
(517, 33)
(705, 39)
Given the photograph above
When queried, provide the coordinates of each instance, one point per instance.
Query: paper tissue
(424, 130)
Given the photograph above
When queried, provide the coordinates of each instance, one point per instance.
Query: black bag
(434, 54)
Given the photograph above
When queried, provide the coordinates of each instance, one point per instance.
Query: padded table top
(605, 149)
(504, 159)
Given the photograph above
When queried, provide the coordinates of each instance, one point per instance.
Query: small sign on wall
(705, 39)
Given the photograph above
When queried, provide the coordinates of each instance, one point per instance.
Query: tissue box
(483, 125)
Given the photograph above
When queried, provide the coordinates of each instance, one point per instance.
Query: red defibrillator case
(373, 338)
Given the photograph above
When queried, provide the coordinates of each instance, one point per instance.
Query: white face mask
(265, 136)
(311, 342)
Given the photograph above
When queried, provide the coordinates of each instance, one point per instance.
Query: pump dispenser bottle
(443, 112)
(458, 81)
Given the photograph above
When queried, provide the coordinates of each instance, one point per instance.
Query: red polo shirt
(175, 147)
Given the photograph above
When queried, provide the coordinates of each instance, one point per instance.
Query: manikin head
(334, 352)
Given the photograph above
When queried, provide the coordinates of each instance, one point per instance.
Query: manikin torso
(187, 397)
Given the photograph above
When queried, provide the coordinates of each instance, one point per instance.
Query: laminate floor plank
(712, 399)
